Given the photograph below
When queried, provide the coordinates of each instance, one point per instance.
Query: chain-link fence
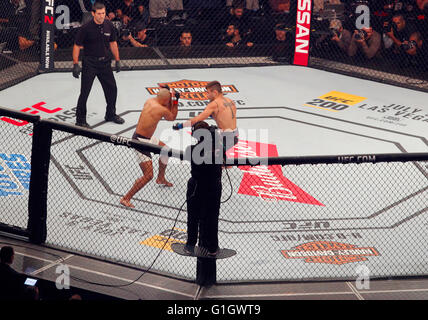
(176, 33)
(15, 170)
(378, 40)
(287, 218)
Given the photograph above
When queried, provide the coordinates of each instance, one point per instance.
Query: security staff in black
(98, 39)
(204, 188)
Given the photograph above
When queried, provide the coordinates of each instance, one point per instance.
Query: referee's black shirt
(96, 38)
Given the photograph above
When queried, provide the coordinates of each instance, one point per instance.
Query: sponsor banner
(266, 182)
(303, 28)
(329, 252)
(191, 89)
(48, 32)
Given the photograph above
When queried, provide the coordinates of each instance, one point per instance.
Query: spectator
(283, 44)
(240, 19)
(251, 5)
(141, 40)
(422, 5)
(143, 15)
(186, 38)
(280, 6)
(159, 8)
(11, 282)
(366, 41)
(233, 38)
(21, 29)
(127, 12)
(320, 4)
(75, 297)
(31, 293)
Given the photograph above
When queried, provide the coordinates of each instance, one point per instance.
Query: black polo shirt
(96, 38)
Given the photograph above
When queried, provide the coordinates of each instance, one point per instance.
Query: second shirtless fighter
(223, 111)
(165, 105)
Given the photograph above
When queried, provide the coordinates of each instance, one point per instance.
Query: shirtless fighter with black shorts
(164, 105)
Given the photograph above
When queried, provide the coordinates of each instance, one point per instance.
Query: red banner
(303, 28)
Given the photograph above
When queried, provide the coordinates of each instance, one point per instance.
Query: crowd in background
(397, 29)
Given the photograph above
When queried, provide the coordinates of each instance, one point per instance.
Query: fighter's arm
(210, 108)
(208, 111)
(171, 114)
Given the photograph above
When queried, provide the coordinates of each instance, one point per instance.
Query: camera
(333, 33)
(390, 26)
(125, 33)
(361, 35)
(407, 46)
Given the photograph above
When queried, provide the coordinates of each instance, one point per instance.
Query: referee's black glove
(76, 70)
(118, 66)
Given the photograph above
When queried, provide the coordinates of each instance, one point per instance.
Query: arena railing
(78, 177)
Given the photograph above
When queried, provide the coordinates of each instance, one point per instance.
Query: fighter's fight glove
(174, 97)
(178, 126)
(76, 70)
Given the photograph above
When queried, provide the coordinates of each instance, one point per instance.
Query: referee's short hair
(98, 6)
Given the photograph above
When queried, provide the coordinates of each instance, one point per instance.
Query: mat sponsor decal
(15, 172)
(191, 89)
(328, 236)
(166, 238)
(104, 225)
(329, 252)
(394, 113)
(335, 101)
(266, 182)
(45, 112)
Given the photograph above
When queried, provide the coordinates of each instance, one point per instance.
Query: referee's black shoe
(83, 124)
(115, 119)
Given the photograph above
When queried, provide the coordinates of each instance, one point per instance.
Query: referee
(98, 38)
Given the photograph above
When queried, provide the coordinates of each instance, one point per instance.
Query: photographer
(141, 40)
(396, 32)
(339, 36)
(414, 50)
(366, 41)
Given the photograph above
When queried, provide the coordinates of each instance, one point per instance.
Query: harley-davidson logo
(191, 89)
(329, 252)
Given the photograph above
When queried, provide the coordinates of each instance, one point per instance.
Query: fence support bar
(37, 202)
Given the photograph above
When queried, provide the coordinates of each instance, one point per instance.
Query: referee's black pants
(203, 208)
(94, 67)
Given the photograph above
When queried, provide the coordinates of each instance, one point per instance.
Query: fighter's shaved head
(164, 96)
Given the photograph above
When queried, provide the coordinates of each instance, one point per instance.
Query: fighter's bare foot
(126, 203)
(164, 182)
